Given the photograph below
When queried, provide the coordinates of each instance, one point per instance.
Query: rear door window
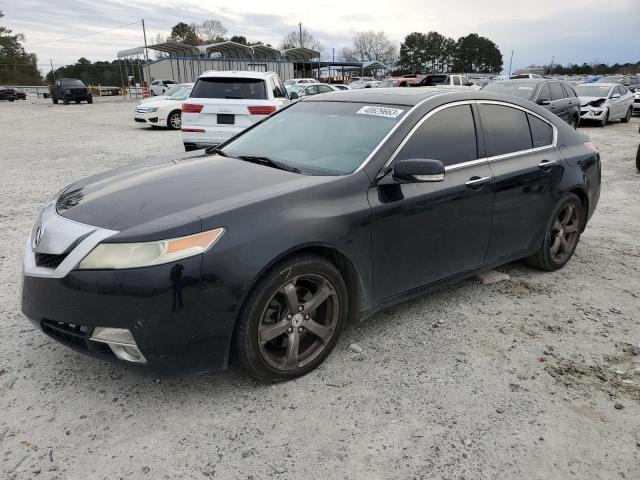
(278, 91)
(541, 131)
(324, 89)
(556, 91)
(456, 80)
(506, 129)
(568, 90)
(448, 136)
(230, 88)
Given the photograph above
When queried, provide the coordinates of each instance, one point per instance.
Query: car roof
(600, 84)
(234, 74)
(385, 96)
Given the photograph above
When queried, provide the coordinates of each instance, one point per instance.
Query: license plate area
(226, 119)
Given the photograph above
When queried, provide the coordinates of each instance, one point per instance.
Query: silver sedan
(603, 102)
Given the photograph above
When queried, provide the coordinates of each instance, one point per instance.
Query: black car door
(425, 232)
(559, 103)
(527, 171)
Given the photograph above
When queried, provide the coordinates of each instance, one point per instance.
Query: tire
(605, 120)
(573, 122)
(567, 214)
(638, 159)
(627, 117)
(55, 100)
(66, 101)
(274, 308)
(174, 120)
(90, 100)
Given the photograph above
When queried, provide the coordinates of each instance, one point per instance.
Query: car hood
(163, 102)
(587, 100)
(170, 198)
(153, 99)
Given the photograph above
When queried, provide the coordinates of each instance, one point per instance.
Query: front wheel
(562, 235)
(55, 100)
(174, 122)
(90, 100)
(292, 319)
(627, 117)
(638, 159)
(605, 119)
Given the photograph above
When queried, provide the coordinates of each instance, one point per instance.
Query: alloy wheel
(175, 121)
(298, 321)
(565, 233)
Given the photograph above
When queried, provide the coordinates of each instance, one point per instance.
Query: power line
(83, 35)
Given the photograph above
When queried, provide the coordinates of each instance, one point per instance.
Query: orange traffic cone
(145, 90)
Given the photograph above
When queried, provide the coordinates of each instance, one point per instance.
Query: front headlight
(152, 109)
(146, 254)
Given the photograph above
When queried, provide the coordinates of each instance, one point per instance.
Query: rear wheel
(174, 121)
(627, 117)
(562, 235)
(55, 100)
(90, 100)
(292, 319)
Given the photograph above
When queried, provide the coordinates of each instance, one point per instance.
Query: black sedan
(8, 94)
(261, 249)
(556, 96)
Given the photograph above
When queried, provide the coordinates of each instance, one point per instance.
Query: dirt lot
(536, 377)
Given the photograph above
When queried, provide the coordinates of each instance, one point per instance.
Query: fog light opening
(121, 343)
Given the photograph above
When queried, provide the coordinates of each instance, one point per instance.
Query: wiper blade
(216, 150)
(269, 163)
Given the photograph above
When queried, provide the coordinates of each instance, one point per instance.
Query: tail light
(591, 146)
(261, 110)
(191, 108)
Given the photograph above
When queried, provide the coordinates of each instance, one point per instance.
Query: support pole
(510, 62)
(146, 52)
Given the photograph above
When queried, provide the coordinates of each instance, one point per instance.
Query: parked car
(20, 95)
(521, 76)
(8, 94)
(556, 96)
(160, 87)
(361, 79)
(330, 210)
(166, 112)
(632, 82)
(223, 104)
(445, 80)
(299, 81)
(302, 90)
(176, 87)
(400, 81)
(636, 101)
(603, 102)
(70, 90)
(364, 84)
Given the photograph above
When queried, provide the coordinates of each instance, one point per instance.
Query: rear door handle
(477, 182)
(547, 164)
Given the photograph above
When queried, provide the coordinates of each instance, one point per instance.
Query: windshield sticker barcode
(380, 111)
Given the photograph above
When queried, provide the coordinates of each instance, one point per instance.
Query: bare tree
(211, 31)
(293, 40)
(371, 46)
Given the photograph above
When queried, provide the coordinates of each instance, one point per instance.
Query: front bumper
(180, 321)
(150, 118)
(592, 113)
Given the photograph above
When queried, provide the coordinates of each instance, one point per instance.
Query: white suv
(223, 104)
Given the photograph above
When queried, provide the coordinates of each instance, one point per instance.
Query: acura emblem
(38, 235)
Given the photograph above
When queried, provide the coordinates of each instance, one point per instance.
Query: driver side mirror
(615, 95)
(293, 96)
(543, 101)
(418, 171)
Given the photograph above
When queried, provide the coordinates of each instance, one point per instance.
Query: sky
(573, 31)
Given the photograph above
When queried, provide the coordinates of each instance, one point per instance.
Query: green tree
(16, 66)
(412, 53)
(239, 39)
(184, 33)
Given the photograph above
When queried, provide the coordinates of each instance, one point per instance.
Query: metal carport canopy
(227, 49)
(131, 52)
(375, 65)
(300, 54)
(262, 52)
(177, 50)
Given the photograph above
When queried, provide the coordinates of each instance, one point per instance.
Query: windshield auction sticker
(380, 111)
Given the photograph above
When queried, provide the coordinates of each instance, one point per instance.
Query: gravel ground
(532, 377)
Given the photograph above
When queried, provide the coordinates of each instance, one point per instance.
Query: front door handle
(547, 164)
(477, 182)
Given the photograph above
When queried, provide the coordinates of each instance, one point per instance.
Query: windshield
(517, 88)
(294, 88)
(72, 81)
(290, 82)
(230, 88)
(181, 94)
(173, 89)
(297, 136)
(387, 83)
(593, 90)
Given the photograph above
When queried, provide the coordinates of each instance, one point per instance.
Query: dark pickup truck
(70, 90)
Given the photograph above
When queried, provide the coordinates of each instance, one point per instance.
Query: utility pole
(300, 28)
(53, 74)
(333, 55)
(146, 52)
(510, 62)
(551, 66)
